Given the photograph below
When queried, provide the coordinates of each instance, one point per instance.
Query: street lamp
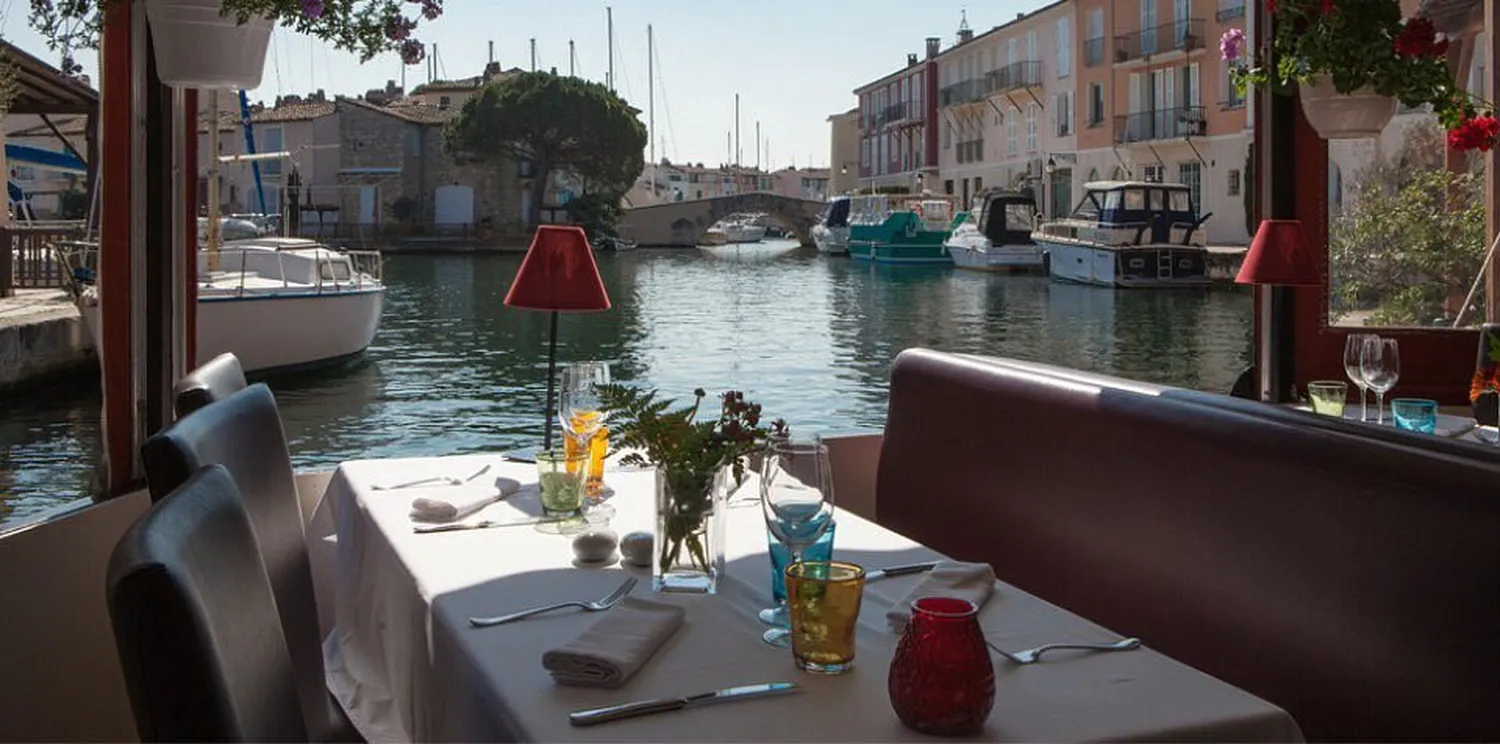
(1051, 166)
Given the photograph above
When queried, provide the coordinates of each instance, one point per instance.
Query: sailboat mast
(651, 101)
(736, 130)
(572, 60)
(609, 77)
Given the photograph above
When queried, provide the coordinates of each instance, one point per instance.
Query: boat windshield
(1009, 221)
(870, 210)
(1135, 205)
(837, 213)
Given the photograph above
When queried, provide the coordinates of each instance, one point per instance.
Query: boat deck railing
(28, 258)
(80, 260)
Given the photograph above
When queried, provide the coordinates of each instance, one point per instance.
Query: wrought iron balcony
(1181, 36)
(892, 114)
(1093, 52)
(1014, 76)
(968, 91)
(1230, 10)
(1161, 124)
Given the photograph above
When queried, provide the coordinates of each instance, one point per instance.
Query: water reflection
(810, 337)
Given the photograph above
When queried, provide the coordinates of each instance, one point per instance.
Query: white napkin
(972, 581)
(616, 646)
(454, 508)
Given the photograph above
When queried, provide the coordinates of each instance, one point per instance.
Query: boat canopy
(837, 212)
(1008, 217)
(51, 160)
(1134, 203)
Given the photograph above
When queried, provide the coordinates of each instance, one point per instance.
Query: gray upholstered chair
(215, 379)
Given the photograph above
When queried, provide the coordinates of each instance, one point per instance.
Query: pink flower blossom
(1231, 43)
(312, 8)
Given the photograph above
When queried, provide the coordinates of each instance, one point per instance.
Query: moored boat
(902, 229)
(831, 234)
(1129, 234)
(999, 239)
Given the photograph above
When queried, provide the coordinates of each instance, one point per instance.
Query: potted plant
(222, 43)
(693, 458)
(1352, 61)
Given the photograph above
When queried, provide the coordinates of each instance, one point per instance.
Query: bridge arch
(682, 223)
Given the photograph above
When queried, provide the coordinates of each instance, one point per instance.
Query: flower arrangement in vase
(691, 456)
(1351, 61)
(366, 27)
(1484, 386)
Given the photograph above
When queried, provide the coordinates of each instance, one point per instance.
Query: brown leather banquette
(1347, 573)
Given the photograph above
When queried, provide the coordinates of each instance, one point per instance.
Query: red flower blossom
(1418, 38)
(1475, 133)
(1271, 7)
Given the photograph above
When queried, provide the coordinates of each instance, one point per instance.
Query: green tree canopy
(558, 123)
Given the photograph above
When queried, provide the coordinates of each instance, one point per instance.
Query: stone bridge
(681, 223)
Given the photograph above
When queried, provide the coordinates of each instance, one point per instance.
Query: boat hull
(996, 258)
(1152, 265)
(283, 331)
(831, 240)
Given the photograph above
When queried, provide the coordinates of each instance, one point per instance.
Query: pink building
(898, 126)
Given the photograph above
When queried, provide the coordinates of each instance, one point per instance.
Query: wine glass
(582, 415)
(796, 496)
(1354, 345)
(1380, 365)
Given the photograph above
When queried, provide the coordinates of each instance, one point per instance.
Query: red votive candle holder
(942, 681)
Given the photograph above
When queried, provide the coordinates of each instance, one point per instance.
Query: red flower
(1475, 133)
(1271, 7)
(1418, 38)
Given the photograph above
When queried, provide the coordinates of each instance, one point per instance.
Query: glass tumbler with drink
(560, 480)
(582, 417)
(824, 597)
(796, 492)
(822, 550)
(1328, 396)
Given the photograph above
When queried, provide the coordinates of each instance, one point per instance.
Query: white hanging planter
(198, 48)
(1361, 114)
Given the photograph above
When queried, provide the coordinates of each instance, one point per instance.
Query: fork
(597, 605)
(1033, 655)
(447, 479)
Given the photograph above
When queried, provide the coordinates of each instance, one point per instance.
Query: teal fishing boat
(902, 228)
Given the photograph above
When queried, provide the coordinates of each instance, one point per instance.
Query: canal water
(808, 336)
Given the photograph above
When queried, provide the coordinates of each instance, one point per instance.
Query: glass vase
(689, 539)
(941, 679)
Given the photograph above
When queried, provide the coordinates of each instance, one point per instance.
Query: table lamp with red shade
(1279, 256)
(558, 275)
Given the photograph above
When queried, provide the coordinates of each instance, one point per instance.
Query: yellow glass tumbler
(823, 598)
(1328, 396)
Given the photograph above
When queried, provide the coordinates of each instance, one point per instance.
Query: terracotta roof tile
(409, 110)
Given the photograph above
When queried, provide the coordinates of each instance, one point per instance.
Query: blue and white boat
(831, 234)
(1128, 234)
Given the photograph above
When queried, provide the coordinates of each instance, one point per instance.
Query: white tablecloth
(411, 667)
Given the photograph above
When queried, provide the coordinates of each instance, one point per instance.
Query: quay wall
(49, 343)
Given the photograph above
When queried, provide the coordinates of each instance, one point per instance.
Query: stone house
(305, 127)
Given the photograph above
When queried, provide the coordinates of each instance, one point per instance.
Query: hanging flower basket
(1363, 113)
(199, 47)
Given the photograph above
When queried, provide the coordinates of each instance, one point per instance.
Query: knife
(646, 707)
(910, 568)
(480, 525)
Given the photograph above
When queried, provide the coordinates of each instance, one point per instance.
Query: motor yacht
(999, 238)
(1129, 234)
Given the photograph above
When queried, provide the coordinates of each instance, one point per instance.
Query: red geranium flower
(1271, 7)
(1419, 39)
(1475, 133)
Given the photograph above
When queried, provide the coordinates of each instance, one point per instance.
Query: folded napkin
(616, 646)
(972, 581)
(462, 504)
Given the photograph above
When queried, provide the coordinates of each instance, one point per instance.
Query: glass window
(1181, 201)
(1096, 104)
(1190, 174)
(1134, 199)
(1234, 183)
(270, 139)
(1031, 118)
(1064, 47)
(1010, 134)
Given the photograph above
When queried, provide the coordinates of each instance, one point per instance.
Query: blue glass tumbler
(822, 550)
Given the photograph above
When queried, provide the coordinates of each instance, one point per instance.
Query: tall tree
(558, 123)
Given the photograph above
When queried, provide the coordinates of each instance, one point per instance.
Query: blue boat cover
(61, 162)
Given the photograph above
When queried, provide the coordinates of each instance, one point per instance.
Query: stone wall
(45, 344)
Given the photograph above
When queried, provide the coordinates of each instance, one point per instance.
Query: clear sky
(793, 63)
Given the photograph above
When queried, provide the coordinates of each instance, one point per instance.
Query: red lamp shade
(558, 273)
(1280, 255)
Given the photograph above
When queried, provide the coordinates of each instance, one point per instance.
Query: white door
(453, 206)
(367, 205)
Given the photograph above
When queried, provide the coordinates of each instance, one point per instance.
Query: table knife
(910, 568)
(646, 707)
(480, 525)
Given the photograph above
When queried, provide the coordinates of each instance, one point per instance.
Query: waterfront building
(306, 127)
(843, 151)
(1006, 109)
(898, 126)
(47, 189)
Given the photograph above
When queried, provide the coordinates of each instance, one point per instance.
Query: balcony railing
(1093, 52)
(891, 114)
(1180, 36)
(1015, 76)
(1230, 10)
(971, 151)
(968, 91)
(1161, 124)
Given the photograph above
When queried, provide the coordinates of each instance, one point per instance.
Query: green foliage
(556, 122)
(687, 453)
(597, 213)
(366, 27)
(1411, 238)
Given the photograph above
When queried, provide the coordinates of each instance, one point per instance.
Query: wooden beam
(1491, 92)
(117, 71)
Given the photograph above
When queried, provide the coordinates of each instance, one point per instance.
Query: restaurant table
(407, 665)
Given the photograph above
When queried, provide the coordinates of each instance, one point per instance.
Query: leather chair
(216, 379)
(243, 433)
(195, 622)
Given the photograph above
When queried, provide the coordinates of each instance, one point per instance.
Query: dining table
(407, 665)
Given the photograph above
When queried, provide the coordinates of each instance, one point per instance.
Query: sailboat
(277, 303)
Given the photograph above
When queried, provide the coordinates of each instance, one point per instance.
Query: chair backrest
(195, 623)
(243, 433)
(215, 379)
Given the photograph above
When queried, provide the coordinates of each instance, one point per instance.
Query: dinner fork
(598, 605)
(448, 479)
(1033, 655)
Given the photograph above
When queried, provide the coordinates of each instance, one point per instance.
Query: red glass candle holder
(942, 681)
